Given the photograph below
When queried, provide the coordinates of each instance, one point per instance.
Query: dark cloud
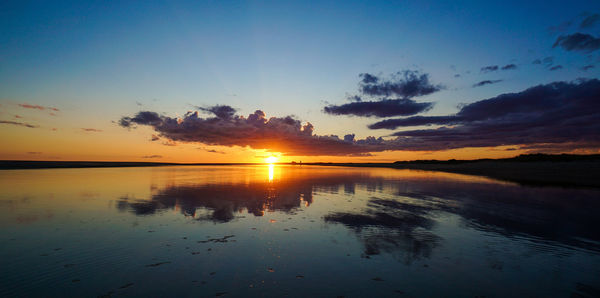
(404, 84)
(509, 67)
(490, 68)
(382, 108)
(154, 138)
(548, 60)
(587, 67)
(578, 42)
(414, 121)
(555, 113)
(354, 98)
(221, 111)
(142, 118)
(37, 107)
(486, 82)
(556, 67)
(406, 229)
(152, 156)
(590, 21)
(18, 123)
(457, 75)
(91, 130)
(286, 134)
(536, 61)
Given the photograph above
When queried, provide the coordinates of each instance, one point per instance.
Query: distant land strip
(566, 170)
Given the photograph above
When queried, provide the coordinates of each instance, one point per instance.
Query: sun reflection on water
(271, 171)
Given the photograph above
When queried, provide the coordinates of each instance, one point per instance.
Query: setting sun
(271, 159)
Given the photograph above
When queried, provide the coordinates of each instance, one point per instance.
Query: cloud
(221, 111)
(536, 61)
(34, 152)
(211, 150)
(490, 68)
(154, 138)
(556, 67)
(590, 21)
(554, 113)
(382, 108)
(286, 135)
(509, 67)
(578, 42)
(169, 143)
(486, 82)
(91, 130)
(548, 60)
(152, 156)
(587, 67)
(18, 123)
(414, 121)
(402, 86)
(215, 151)
(37, 107)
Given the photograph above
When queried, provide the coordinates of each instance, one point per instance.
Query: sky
(341, 81)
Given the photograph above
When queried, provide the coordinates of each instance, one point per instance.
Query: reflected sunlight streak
(271, 171)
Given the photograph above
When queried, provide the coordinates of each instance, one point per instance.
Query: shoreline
(535, 169)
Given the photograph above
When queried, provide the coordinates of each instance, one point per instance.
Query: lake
(292, 231)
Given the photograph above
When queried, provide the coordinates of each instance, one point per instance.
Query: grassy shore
(533, 169)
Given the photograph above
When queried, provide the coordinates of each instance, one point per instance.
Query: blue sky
(97, 59)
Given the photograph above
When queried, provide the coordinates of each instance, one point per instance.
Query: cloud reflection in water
(400, 212)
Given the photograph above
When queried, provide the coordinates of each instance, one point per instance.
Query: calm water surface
(292, 231)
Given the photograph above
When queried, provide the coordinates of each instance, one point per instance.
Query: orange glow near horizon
(271, 159)
(115, 144)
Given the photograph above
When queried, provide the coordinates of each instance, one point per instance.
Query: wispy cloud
(18, 123)
(37, 107)
(91, 130)
(578, 42)
(490, 68)
(590, 21)
(587, 67)
(509, 67)
(556, 67)
(211, 150)
(486, 82)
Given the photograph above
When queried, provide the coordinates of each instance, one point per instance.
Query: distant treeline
(32, 164)
(537, 157)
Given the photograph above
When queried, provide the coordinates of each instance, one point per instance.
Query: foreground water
(292, 231)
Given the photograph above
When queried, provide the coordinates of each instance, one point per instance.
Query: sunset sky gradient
(229, 81)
